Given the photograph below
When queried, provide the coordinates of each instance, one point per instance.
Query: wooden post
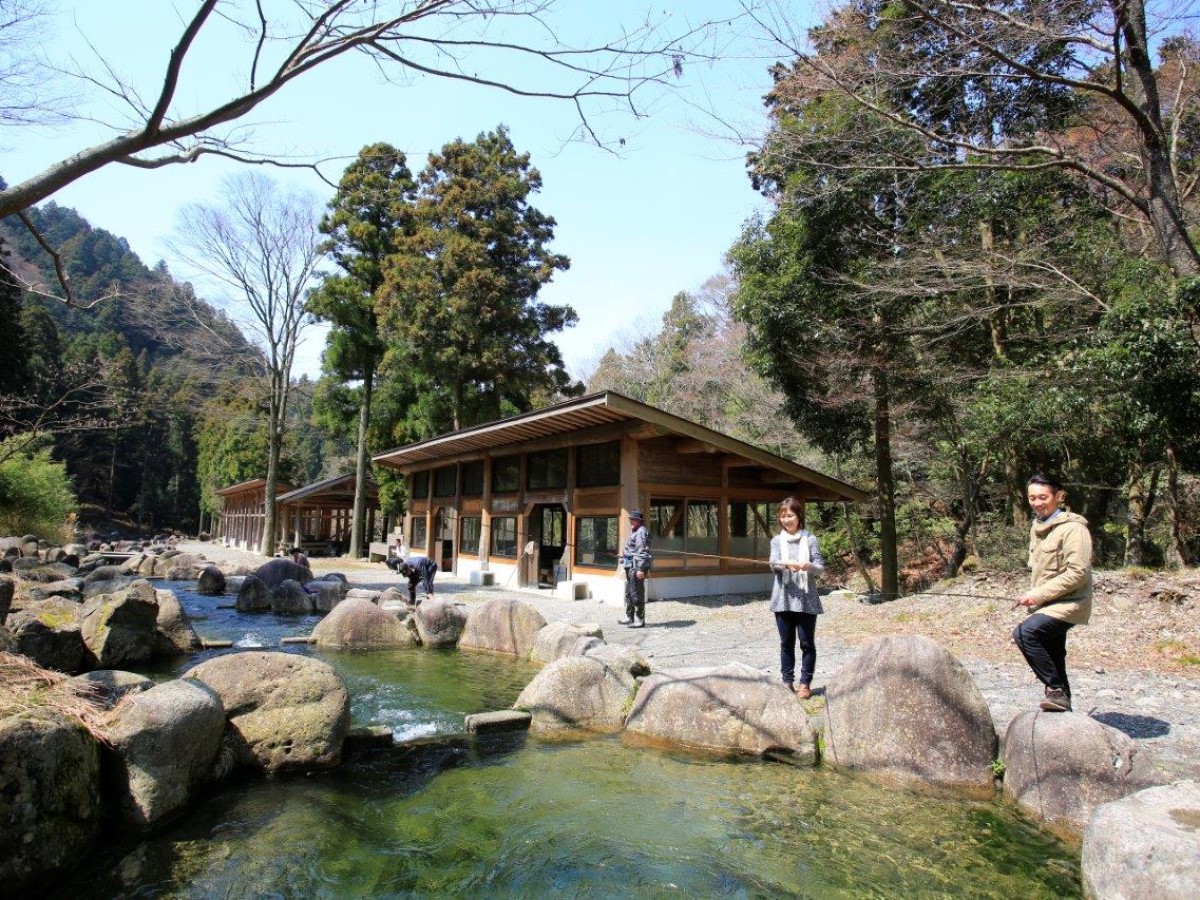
(485, 515)
(629, 485)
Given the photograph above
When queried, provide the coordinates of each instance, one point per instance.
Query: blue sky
(638, 226)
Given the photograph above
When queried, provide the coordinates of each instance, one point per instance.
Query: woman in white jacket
(796, 560)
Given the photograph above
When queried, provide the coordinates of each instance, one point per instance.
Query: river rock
(162, 746)
(8, 589)
(325, 594)
(906, 710)
(108, 586)
(147, 565)
(49, 799)
(393, 595)
(49, 634)
(357, 624)
(45, 574)
(108, 686)
(1058, 767)
(290, 598)
(210, 582)
(502, 626)
(615, 656)
(577, 693)
(285, 711)
(439, 623)
(726, 708)
(558, 638)
(363, 594)
(68, 589)
(175, 632)
(274, 572)
(1146, 845)
(253, 595)
(105, 573)
(233, 583)
(121, 628)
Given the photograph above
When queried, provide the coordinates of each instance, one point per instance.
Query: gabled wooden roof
(253, 484)
(336, 490)
(591, 411)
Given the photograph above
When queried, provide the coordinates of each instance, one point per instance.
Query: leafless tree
(262, 245)
(508, 45)
(25, 74)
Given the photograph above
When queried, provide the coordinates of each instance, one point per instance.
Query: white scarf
(799, 540)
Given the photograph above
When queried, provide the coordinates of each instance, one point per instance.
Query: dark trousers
(635, 595)
(1043, 640)
(792, 625)
(422, 572)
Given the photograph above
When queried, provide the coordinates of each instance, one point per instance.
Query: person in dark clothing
(416, 568)
(635, 560)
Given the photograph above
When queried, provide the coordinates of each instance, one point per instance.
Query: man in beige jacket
(1060, 596)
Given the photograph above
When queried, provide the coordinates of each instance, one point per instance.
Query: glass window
(702, 531)
(418, 533)
(506, 474)
(420, 484)
(445, 480)
(504, 536)
(443, 524)
(598, 465)
(547, 470)
(596, 541)
(666, 530)
(750, 530)
(472, 479)
(471, 528)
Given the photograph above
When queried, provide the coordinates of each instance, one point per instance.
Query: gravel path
(1161, 711)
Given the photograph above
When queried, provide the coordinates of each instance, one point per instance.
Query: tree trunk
(885, 486)
(274, 439)
(1014, 482)
(1175, 555)
(1140, 503)
(358, 526)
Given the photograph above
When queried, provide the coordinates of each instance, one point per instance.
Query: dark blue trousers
(792, 625)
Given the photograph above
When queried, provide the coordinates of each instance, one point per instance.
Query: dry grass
(26, 687)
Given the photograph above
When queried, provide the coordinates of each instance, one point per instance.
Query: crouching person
(417, 569)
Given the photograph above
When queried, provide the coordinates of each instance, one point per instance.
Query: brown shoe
(803, 691)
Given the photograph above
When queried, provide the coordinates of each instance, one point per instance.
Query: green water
(520, 817)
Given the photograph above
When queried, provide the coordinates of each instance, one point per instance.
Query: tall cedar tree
(460, 294)
(371, 210)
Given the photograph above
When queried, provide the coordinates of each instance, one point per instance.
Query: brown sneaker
(1056, 701)
(803, 691)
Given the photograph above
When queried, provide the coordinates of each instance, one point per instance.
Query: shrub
(35, 492)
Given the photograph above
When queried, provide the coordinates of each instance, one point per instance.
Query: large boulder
(1060, 767)
(439, 623)
(291, 599)
(105, 573)
(253, 595)
(121, 628)
(68, 589)
(274, 572)
(1146, 845)
(731, 708)
(577, 693)
(108, 586)
(8, 589)
(210, 582)
(162, 745)
(147, 566)
(48, 633)
(49, 799)
(906, 710)
(393, 595)
(615, 656)
(106, 687)
(325, 594)
(558, 638)
(356, 624)
(45, 574)
(285, 711)
(502, 626)
(175, 633)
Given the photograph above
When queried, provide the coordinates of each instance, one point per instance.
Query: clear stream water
(516, 816)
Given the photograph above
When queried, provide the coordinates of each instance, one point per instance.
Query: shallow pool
(523, 817)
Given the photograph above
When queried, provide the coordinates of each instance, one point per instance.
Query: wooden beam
(691, 445)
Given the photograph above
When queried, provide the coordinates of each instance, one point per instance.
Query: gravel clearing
(1135, 667)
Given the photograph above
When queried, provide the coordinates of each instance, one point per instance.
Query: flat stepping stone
(499, 721)
(368, 737)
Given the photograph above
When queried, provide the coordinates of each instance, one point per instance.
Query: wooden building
(543, 498)
(318, 517)
(244, 513)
